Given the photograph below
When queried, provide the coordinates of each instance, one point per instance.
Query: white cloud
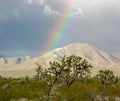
(49, 11)
(78, 13)
(98, 7)
(41, 2)
(91, 7)
(85, 8)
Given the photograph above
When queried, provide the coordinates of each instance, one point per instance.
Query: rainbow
(59, 28)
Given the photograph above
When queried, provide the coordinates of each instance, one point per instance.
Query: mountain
(13, 61)
(116, 55)
(89, 52)
(3, 60)
(22, 66)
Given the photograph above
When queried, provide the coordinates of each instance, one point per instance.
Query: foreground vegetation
(80, 90)
(67, 80)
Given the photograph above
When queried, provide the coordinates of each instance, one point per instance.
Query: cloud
(87, 7)
(78, 13)
(21, 52)
(30, 2)
(28, 20)
(99, 7)
(49, 11)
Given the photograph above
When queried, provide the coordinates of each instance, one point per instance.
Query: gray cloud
(90, 8)
(30, 2)
(49, 11)
(26, 24)
(78, 13)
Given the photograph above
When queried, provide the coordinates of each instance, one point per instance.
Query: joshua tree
(107, 77)
(74, 66)
(50, 75)
(39, 71)
(66, 70)
(54, 73)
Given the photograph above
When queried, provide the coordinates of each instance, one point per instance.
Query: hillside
(21, 66)
(117, 55)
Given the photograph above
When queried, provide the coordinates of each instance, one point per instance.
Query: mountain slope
(3, 60)
(21, 66)
(13, 61)
(89, 52)
(116, 55)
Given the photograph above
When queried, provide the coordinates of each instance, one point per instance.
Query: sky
(26, 26)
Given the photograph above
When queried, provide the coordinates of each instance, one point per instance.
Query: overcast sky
(26, 24)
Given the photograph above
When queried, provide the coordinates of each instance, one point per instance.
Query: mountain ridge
(116, 55)
(98, 58)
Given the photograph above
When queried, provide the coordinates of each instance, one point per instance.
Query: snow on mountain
(21, 66)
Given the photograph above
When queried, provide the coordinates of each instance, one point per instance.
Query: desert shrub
(107, 77)
(66, 70)
(74, 66)
(38, 71)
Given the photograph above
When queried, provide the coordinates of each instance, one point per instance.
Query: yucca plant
(107, 77)
(74, 66)
(39, 70)
(49, 75)
(66, 70)
(54, 73)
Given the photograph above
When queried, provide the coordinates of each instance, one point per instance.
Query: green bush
(107, 77)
